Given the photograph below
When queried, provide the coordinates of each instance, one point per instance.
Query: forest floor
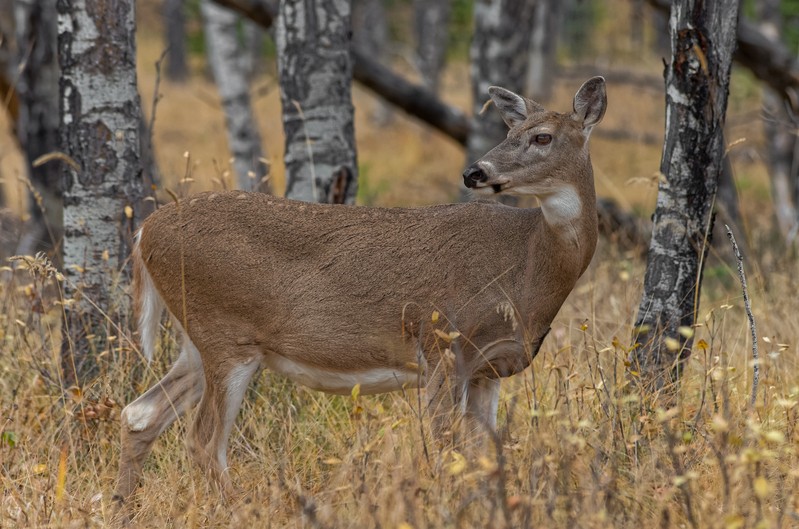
(579, 445)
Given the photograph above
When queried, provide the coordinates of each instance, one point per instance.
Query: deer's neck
(570, 213)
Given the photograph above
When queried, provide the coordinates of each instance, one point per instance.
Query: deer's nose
(473, 175)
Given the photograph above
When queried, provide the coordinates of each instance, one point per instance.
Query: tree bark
(697, 84)
(229, 64)
(175, 32)
(431, 29)
(100, 112)
(499, 57)
(37, 126)
(315, 71)
(770, 61)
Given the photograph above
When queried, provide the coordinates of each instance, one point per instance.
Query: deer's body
(334, 296)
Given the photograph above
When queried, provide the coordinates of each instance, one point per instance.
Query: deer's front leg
(446, 401)
(482, 403)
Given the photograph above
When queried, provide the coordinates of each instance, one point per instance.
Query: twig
(748, 307)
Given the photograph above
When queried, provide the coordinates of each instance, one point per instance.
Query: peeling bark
(697, 83)
(100, 112)
(315, 67)
(231, 67)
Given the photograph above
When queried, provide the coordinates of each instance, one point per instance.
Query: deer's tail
(147, 301)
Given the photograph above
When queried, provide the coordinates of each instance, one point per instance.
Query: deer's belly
(372, 380)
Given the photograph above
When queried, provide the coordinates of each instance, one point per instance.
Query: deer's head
(544, 150)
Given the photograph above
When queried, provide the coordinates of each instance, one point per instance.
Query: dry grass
(579, 445)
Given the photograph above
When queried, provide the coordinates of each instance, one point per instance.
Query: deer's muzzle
(473, 175)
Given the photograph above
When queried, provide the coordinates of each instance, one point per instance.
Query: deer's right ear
(512, 107)
(590, 103)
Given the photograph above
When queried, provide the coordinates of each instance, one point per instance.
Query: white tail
(150, 305)
(450, 297)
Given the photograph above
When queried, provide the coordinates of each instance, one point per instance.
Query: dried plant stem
(748, 307)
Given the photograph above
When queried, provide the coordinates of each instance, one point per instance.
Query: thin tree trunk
(229, 64)
(543, 46)
(100, 112)
(431, 29)
(499, 56)
(315, 70)
(175, 32)
(637, 24)
(37, 126)
(697, 84)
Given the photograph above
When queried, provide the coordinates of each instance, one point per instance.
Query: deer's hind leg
(147, 417)
(226, 383)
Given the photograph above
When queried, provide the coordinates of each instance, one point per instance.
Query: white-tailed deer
(333, 296)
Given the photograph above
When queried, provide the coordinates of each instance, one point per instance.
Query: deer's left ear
(590, 103)
(511, 106)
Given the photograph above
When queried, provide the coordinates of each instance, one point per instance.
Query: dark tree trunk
(370, 37)
(37, 126)
(697, 83)
(315, 70)
(100, 112)
(175, 28)
(499, 56)
(431, 29)
(637, 12)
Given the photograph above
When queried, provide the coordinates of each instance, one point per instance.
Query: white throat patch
(562, 206)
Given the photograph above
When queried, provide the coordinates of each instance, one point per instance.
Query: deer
(446, 298)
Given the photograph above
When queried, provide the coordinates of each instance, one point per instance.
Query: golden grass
(578, 443)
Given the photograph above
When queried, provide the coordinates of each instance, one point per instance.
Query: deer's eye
(542, 139)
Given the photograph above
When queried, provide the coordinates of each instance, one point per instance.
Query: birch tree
(100, 112)
(697, 82)
(315, 69)
(499, 56)
(37, 126)
(231, 66)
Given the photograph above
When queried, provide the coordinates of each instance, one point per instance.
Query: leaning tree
(703, 36)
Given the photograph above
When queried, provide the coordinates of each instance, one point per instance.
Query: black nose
(472, 175)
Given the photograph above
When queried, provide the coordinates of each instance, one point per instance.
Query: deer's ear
(590, 103)
(512, 107)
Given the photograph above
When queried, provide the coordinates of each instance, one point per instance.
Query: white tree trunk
(100, 111)
(315, 79)
(231, 67)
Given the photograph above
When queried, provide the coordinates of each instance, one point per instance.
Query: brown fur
(349, 289)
